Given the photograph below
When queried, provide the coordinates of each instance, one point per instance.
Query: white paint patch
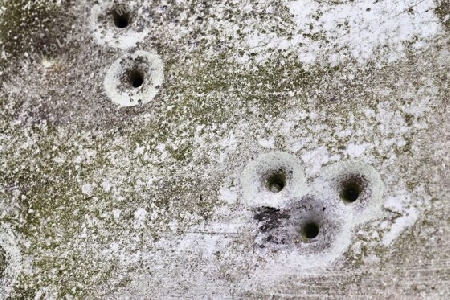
(316, 158)
(139, 217)
(227, 195)
(106, 185)
(400, 225)
(87, 189)
(267, 143)
(356, 29)
(354, 150)
(116, 214)
(397, 203)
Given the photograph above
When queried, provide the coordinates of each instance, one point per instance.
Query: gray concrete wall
(224, 149)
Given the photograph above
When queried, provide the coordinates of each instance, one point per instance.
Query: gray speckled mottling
(102, 201)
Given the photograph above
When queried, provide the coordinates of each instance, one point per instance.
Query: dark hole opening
(136, 78)
(121, 17)
(352, 188)
(276, 181)
(311, 230)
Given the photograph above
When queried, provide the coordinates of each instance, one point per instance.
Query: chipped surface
(152, 200)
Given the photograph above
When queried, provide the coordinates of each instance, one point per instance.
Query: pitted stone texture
(10, 261)
(311, 217)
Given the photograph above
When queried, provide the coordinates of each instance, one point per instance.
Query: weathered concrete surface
(261, 101)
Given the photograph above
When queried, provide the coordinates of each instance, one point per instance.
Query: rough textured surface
(151, 201)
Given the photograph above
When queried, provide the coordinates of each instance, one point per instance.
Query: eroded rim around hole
(132, 79)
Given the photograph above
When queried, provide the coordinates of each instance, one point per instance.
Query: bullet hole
(136, 78)
(122, 18)
(310, 230)
(268, 179)
(276, 181)
(351, 188)
(118, 25)
(301, 225)
(132, 79)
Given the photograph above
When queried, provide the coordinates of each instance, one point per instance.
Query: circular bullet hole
(122, 17)
(356, 187)
(310, 230)
(351, 188)
(271, 179)
(136, 78)
(276, 181)
(119, 25)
